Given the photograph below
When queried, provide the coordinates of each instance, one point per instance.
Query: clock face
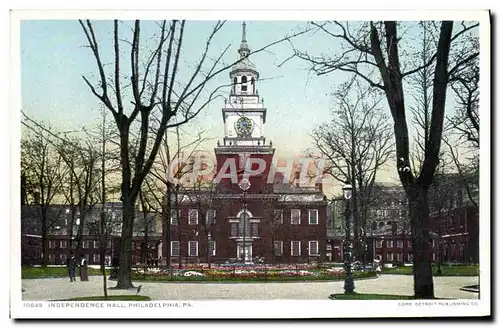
(244, 126)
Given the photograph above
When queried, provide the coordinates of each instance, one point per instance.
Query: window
(400, 243)
(313, 216)
(85, 244)
(295, 216)
(193, 248)
(410, 257)
(63, 243)
(174, 217)
(175, 248)
(62, 257)
(210, 217)
(96, 245)
(434, 256)
(244, 228)
(278, 216)
(234, 230)
(278, 248)
(108, 244)
(51, 258)
(390, 257)
(212, 248)
(243, 83)
(408, 243)
(96, 257)
(295, 248)
(399, 257)
(193, 217)
(389, 243)
(52, 244)
(255, 229)
(433, 243)
(378, 244)
(313, 248)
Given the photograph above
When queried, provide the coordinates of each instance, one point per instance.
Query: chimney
(297, 179)
(394, 228)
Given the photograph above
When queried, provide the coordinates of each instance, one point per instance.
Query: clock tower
(244, 116)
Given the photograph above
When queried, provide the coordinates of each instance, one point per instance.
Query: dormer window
(243, 83)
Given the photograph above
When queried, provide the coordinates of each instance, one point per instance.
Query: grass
(111, 298)
(53, 272)
(446, 270)
(356, 296)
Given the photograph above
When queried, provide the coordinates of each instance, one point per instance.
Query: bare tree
(357, 142)
(375, 52)
(42, 166)
(157, 87)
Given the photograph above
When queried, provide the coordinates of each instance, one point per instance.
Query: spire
(244, 50)
(244, 36)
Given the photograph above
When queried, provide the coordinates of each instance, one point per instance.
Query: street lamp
(349, 280)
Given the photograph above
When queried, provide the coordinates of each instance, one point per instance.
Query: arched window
(244, 224)
(235, 81)
(253, 84)
(244, 83)
(380, 224)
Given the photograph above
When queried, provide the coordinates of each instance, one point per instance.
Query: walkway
(61, 288)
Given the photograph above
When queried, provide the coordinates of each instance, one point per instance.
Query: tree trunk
(124, 279)
(418, 197)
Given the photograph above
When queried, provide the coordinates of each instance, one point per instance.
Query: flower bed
(238, 274)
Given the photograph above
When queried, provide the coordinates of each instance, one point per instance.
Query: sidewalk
(61, 288)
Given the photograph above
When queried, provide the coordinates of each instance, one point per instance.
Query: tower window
(235, 81)
(243, 83)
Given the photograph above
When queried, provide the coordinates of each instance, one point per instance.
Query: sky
(54, 58)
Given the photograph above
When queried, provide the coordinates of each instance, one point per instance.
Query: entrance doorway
(244, 252)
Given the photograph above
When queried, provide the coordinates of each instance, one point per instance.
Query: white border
(259, 309)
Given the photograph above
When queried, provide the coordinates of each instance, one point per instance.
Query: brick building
(272, 220)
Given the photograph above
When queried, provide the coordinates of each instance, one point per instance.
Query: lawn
(53, 272)
(111, 298)
(356, 296)
(247, 278)
(58, 272)
(446, 270)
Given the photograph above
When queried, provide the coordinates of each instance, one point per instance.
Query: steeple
(244, 50)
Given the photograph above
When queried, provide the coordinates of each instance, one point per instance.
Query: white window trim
(172, 247)
(317, 218)
(212, 253)
(280, 218)
(400, 244)
(207, 217)
(189, 248)
(392, 257)
(291, 216)
(189, 216)
(291, 248)
(390, 244)
(52, 244)
(378, 243)
(281, 247)
(62, 243)
(85, 244)
(177, 212)
(317, 248)
(96, 257)
(95, 244)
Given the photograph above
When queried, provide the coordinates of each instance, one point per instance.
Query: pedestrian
(84, 275)
(71, 264)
